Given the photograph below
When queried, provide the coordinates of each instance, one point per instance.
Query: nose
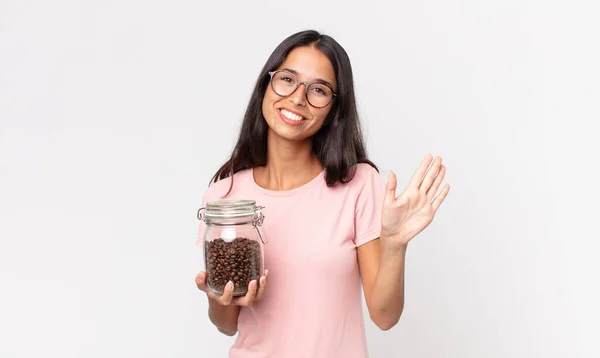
(298, 97)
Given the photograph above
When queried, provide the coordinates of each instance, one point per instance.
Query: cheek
(270, 99)
(267, 104)
(320, 115)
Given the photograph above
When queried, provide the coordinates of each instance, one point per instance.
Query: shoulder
(365, 175)
(365, 171)
(217, 190)
(365, 181)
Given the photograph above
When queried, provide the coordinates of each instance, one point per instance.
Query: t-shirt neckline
(280, 193)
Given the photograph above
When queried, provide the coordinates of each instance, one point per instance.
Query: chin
(286, 135)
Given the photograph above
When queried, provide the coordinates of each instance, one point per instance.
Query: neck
(290, 164)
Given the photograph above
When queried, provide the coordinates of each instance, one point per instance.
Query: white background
(115, 114)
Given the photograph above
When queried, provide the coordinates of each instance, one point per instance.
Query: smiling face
(292, 117)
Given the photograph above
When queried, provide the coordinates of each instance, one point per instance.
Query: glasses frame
(298, 83)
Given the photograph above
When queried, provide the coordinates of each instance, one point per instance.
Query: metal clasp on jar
(199, 214)
(258, 219)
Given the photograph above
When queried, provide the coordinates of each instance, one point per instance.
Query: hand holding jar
(227, 298)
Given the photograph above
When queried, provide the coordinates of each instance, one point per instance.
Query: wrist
(394, 242)
(391, 257)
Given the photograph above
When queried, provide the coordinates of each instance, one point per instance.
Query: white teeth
(290, 115)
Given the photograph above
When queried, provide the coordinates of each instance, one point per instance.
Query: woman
(331, 221)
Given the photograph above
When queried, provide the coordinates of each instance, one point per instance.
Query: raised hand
(405, 216)
(227, 299)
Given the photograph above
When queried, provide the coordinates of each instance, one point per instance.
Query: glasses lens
(319, 95)
(284, 83)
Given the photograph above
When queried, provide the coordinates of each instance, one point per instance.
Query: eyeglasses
(318, 94)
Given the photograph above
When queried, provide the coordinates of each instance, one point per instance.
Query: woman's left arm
(382, 274)
(382, 261)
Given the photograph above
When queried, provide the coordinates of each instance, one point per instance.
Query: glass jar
(233, 244)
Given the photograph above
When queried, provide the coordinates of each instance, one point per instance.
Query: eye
(320, 90)
(285, 79)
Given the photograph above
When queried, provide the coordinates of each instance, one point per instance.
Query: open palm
(405, 216)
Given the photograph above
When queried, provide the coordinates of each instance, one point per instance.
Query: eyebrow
(318, 80)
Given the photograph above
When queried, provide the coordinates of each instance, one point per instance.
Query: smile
(291, 116)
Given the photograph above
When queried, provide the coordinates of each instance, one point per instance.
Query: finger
(440, 198)
(437, 182)
(431, 174)
(250, 295)
(261, 286)
(201, 281)
(390, 188)
(227, 296)
(418, 175)
(213, 296)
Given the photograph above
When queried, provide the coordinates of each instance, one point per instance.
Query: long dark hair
(339, 144)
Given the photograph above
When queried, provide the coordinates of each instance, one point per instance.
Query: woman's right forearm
(225, 318)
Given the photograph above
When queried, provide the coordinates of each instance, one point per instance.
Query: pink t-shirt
(312, 306)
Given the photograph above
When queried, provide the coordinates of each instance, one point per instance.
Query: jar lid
(230, 208)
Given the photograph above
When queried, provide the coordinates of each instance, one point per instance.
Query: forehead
(310, 63)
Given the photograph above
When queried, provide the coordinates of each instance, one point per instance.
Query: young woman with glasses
(335, 229)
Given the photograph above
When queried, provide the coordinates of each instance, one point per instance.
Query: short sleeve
(369, 202)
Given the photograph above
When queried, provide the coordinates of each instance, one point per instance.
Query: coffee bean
(237, 261)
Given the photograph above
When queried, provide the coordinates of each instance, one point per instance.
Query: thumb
(390, 188)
